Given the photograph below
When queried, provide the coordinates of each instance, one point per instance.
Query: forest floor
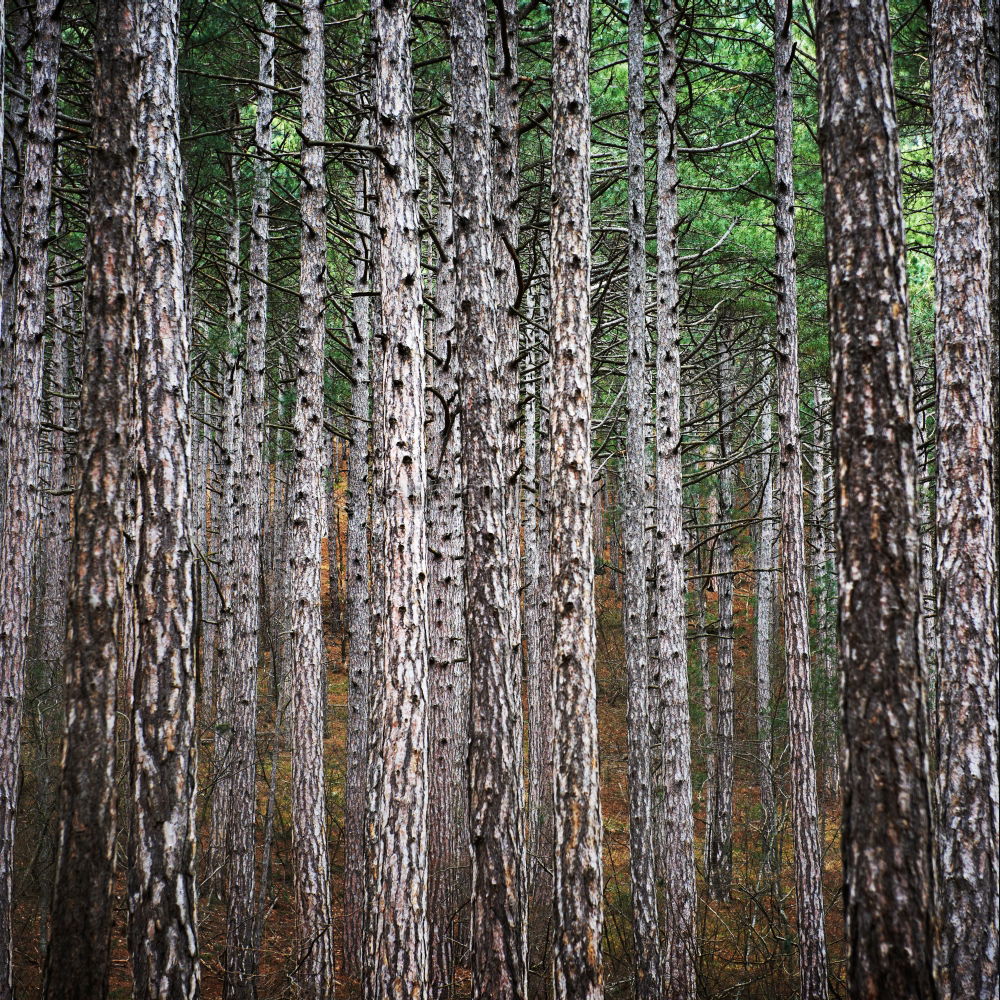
(747, 943)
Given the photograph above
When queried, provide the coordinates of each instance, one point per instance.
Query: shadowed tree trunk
(358, 596)
(888, 890)
(968, 864)
(162, 885)
(307, 680)
(248, 503)
(496, 792)
(79, 956)
(676, 836)
(645, 929)
(795, 593)
(579, 879)
(21, 435)
(719, 858)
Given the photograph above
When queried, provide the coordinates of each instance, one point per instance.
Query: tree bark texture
(496, 788)
(888, 890)
(968, 862)
(307, 674)
(162, 885)
(399, 962)
(579, 880)
(358, 596)
(78, 960)
(645, 927)
(248, 498)
(719, 858)
(676, 836)
(808, 854)
(21, 435)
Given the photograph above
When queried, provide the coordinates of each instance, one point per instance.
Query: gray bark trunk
(307, 666)
(162, 885)
(645, 927)
(79, 956)
(496, 789)
(248, 500)
(968, 836)
(795, 593)
(579, 879)
(888, 891)
(21, 435)
(358, 597)
(676, 838)
(398, 962)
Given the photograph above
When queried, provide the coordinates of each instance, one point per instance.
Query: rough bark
(162, 885)
(676, 837)
(248, 500)
(766, 558)
(398, 962)
(645, 927)
(79, 954)
(968, 862)
(22, 437)
(807, 851)
(719, 859)
(358, 597)
(496, 791)
(448, 680)
(579, 881)
(887, 840)
(307, 675)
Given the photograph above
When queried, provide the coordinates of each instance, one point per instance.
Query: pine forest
(498, 499)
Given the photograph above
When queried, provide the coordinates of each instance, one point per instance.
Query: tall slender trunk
(448, 680)
(645, 929)
(888, 879)
(358, 597)
(22, 437)
(968, 856)
(579, 877)
(307, 677)
(162, 889)
(808, 853)
(540, 774)
(765, 565)
(508, 290)
(78, 960)
(720, 856)
(231, 490)
(676, 839)
(248, 499)
(398, 962)
(496, 790)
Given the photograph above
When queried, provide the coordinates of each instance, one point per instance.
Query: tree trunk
(307, 675)
(968, 862)
(719, 865)
(248, 501)
(496, 790)
(398, 963)
(162, 889)
(645, 928)
(766, 564)
(579, 879)
(22, 437)
(448, 719)
(795, 593)
(676, 838)
(78, 960)
(888, 890)
(358, 597)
